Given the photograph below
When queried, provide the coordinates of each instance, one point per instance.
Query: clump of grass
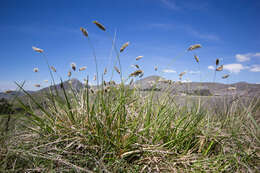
(114, 128)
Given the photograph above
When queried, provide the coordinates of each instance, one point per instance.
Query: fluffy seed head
(73, 66)
(82, 68)
(84, 31)
(217, 62)
(139, 57)
(53, 69)
(37, 49)
(220, 68)
(225, 76)
(117, 70)
(193, 47)
(124, 46)
(37, 85)
(196, 58)
(69, 73)
(136, 73)
(35, 70)
(100, 25)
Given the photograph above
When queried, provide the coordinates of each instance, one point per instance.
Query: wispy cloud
(234, 68)
(168, 71)
(255, 68)
(171, 4)
(211, 67)
(246, 57)
(194, 72)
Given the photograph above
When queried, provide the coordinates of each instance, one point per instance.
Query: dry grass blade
(131, 82)
(69, 74)
(73, 66)
(84, 31)
(193, 47)
(53, 69)
(225, 76)
(196, 58)
(82, 68)
(37, 49)
(136, 73)
(37, 85)
(117, 70)
(35, 70)
(220, 68)
(124, 46)
(100, 25)
(217, 62)
(139, 57)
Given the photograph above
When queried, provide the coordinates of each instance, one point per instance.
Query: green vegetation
(114, 129)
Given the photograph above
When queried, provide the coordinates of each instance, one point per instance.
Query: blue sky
(159, 30)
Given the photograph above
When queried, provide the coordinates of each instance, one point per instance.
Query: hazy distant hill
(162, 84)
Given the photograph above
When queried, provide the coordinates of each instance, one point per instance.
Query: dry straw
(82, 68)
(100, 25)
(37, 49)
(73, 66)
(53, 69)
(139, 57)
(225, 76)
(35, 70)
(193, 47)
(117, 70)
(84, 31)
(136, 73)
(220, 68)
(196, 58)
(124, 46)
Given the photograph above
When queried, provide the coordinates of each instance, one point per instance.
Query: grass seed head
(124, 46)
(82, 68)
(8, 91)
(220, 68)
(73, 66)
(139, 57)
(105, 71)
(136, 73)
(69, 74)
(117, 70)
(35, 70)
(196, 58)
(84, 31)
(53, 69)
(225, 76)
(217, 62)
(193, 47)
(100, 25)
(182, 73)
(37, 49)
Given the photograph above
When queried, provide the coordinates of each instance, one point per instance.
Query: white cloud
(211, 67)
(194, 72)
(170, 4)
(246, 57)
(255, 68)
(168, 71)
(234, 68)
